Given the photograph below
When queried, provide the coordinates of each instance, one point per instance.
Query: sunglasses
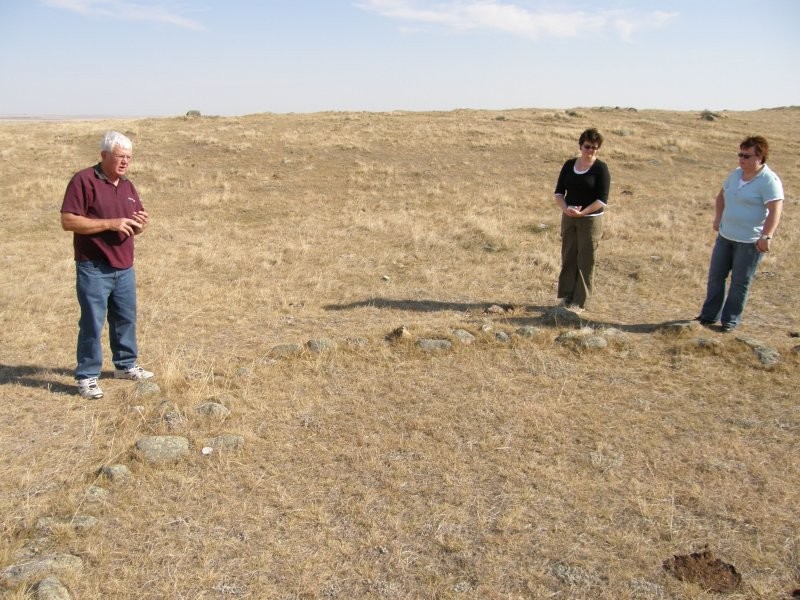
(743, 155)
(590, 147)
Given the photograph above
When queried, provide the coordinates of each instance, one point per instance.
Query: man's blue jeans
(104, 291)
(740, 260)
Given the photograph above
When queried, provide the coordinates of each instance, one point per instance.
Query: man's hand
(124, 225)
(86, 226)
(141, 217)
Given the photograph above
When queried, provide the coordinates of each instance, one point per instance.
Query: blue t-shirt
(746, 204)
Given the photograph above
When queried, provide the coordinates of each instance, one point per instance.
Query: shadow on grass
(38, 377)
(513, 315)
(424, 305)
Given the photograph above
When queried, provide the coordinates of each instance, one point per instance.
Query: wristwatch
(766, 237)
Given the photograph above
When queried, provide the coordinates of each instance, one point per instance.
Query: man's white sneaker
(136, 373)
(89, 389)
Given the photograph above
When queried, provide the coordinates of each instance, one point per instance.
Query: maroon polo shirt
(90, 194)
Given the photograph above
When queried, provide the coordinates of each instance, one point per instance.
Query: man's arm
(86, 226)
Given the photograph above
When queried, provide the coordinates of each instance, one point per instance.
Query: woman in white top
(582, 194)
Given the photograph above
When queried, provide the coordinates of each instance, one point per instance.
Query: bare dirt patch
(704, 569)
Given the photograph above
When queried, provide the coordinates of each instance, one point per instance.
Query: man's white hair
(115, 138)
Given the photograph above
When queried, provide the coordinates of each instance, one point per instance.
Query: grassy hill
(500, 469)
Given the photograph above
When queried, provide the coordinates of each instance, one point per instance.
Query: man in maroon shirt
(102, 209)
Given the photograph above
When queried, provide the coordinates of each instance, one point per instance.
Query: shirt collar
(98, 170)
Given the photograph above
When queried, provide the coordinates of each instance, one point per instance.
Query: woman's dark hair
(759, 145)
(591, 135)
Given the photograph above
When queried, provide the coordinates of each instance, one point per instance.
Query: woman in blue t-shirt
(748, 210)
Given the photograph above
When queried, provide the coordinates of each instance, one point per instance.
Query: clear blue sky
(235, 57)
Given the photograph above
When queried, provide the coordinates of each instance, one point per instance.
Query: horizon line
(100, 117)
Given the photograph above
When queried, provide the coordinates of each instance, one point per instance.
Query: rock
(612, 332)
(172, 415)
(116, 473)
(574, 576)
(50, 588)
(585, 337)
(79, 523)
(291, 349)
(574, 334)
(768, 356)
(226, 441)
(502, 337)
(560, 315)
(615, 336)
(680, 328)
(702, 342)
(320, 345)
(528, 331)
(750, 342)
(163, 448)
(641, 589)
(708, 115)
(464, 336)
(146, 389)
(430, 345)
(595, 341)
(97, 494)
(400, 333)
(356, 342)
(51, 564)
(214, 410)
(495, 309)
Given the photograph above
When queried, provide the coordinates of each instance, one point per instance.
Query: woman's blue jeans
(740, 260)
(105, 292)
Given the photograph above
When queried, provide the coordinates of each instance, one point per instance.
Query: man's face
(115, 163)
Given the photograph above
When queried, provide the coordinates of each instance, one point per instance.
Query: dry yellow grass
(519, 470)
